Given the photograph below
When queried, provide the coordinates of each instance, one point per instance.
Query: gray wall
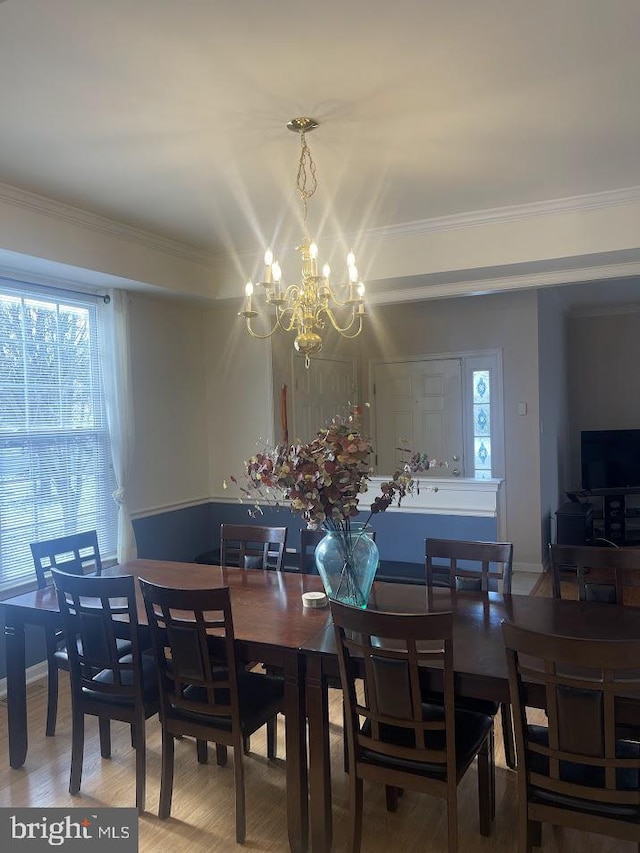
(604, 388)
(503, 321)
(554, 408)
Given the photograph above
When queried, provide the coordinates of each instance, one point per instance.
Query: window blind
(56, 475)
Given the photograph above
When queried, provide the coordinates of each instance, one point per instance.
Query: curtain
(116, 370)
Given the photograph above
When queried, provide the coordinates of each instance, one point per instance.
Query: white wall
(65, 243)
(239, 383)
(168, 375)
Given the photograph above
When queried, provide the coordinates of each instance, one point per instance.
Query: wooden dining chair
(607, 574)
(576, 771)
(471, 566)
(204, 693)
(252, 546)
(76, 554)
(95, 612)
(393, 736)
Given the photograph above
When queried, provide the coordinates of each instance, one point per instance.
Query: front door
(418, 404)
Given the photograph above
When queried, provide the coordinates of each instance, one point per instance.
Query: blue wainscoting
(400, 535)
(179, 534)
(185, 533)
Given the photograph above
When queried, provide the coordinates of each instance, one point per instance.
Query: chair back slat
(252, 546)
(387, 716)
(579, 760)
(75, 554)
(193, 643)
(469, 565)
(308, 542)
(603, 574)
(96, 612)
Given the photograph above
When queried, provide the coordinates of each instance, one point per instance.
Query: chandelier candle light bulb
(268, 261)
(311, 305)
(248, 290)
(313, 254)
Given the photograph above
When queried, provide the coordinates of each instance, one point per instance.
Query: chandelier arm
(344, 329)
(341, 303)
(291, 295)
(291, 324)
(262, 337)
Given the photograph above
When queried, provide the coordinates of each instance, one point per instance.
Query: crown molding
(596, 201)
(101, 224)
(473, 219)
(492, 216)
(511, 213)
(477, 287)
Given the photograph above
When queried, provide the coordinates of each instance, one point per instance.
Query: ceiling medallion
(306, 307)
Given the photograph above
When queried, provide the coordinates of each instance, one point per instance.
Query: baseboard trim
(536, 568)
(34, 673)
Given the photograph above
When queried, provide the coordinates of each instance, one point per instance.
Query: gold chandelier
(307, 307)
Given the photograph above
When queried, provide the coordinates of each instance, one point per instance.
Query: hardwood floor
(202, 818)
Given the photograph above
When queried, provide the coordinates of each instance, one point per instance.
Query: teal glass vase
(347, 561)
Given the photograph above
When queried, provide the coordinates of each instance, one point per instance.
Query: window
(481, 424)
(56, 475)
(483, 415)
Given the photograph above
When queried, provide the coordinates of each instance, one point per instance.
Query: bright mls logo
(28, 830)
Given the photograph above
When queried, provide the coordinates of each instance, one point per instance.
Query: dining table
(270, 625)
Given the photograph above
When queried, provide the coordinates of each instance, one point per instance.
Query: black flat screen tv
(610, 458)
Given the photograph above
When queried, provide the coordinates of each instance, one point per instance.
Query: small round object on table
(314, 599)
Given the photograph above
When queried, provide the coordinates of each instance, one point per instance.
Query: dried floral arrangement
(322, 479)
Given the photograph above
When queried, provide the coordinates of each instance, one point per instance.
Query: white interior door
(326, 389)
(418, 404)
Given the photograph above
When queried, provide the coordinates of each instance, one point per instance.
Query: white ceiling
(169, 115)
